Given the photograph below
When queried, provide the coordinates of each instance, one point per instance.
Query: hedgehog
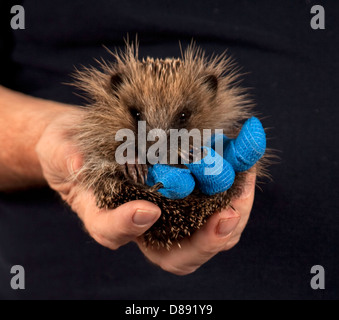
(190, 92)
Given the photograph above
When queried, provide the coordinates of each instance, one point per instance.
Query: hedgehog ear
(116, 80)
(211, 81)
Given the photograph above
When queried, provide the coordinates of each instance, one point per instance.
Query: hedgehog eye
(183, 116)
(136, 114)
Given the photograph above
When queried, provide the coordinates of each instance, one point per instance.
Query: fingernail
(226, 226)
(144, 217)
(69, 164)
(74, 164)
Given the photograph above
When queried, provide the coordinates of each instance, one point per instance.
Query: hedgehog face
(166, 102)
(165, 98)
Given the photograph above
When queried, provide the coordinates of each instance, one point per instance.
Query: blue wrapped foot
(177, 183)
(243, 152)
(219, 140)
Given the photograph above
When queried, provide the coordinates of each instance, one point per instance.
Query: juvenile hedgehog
(190, 92)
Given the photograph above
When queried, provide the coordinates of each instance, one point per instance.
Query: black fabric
(6, 42)
(293, 71)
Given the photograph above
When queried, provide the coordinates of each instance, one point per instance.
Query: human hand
(114, 228)
(59, 159)
(221, 233)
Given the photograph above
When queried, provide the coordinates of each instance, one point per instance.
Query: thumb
(114, 228)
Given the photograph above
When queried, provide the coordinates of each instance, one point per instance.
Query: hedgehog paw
(135, 172)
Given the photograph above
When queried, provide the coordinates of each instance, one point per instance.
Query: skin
(50, 158)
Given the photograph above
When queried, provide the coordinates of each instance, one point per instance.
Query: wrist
(23, 120)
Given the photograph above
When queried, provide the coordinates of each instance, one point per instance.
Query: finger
(248, 186)
(198, 249)
(243, 206)
(114, 228)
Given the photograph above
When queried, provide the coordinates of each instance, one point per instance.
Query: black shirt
(294, 222)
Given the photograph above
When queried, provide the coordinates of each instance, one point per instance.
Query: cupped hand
(59, 159)
(221, 232)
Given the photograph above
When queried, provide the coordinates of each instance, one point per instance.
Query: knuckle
(206, 249)
(122, 234)
(69, 195)
(127, 234)
(112, 239)
(232, 243)
(102, 240)
(178, 270)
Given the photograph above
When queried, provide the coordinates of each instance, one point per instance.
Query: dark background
(293, 71)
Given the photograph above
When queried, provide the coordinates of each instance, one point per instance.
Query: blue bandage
(220, 139)
(243, 152)
(213, 173)
(178, 183)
